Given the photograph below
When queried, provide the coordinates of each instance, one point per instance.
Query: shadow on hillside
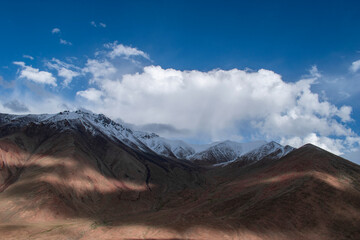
(80, 176)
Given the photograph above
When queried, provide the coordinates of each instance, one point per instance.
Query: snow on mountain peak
(214, 153)
(225, 151)
(271, 150)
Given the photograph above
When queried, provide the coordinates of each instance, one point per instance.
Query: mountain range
(80, 175)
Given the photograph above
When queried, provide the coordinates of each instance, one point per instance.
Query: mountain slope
(271, 150)
(225, 151)
(72, 169)
(307, 194)
(69, 179)
(165, 147)
(98, 124)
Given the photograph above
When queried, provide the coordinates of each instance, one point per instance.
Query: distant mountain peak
(214, 153)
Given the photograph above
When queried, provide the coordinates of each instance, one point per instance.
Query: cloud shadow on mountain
(307, 191)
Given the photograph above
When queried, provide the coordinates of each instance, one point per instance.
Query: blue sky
(170, 64)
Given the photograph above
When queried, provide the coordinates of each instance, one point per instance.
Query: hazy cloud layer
(5, 84)
(164, 130)
(355, 66)
(16, 106)
(353, 156)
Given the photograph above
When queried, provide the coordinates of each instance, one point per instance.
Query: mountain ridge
(74, 180)
(214, 153)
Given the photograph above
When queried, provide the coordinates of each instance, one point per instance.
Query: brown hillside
(72, 185)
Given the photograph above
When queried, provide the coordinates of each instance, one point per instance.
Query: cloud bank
(222, 104)
(16, 106)
(203, 106)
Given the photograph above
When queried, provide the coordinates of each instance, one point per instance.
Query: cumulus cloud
(355, 66)
(205, 106)
(65, 70)
(64, 42)
(335, 146)
(28, 57)
(119, 50)
(35, 74)
(90, 94)
(224, 101)
(99, 70)
(16, 106)
(55, 31)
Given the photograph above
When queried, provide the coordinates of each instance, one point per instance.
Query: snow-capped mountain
(225, 151)
(62, 167)
(91, 122)
(214, 153)
(166, 147)
(271, 150)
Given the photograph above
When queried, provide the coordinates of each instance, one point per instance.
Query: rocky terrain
(79, 175)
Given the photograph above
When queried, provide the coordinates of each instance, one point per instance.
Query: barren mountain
(78, 175)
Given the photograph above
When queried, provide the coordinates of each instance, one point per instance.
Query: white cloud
(36, 98)
(64, 42)
(314, 72)
(94, 24)
(119, 50)
(67, 74)
(219, 103)
(65, 70)
(355, 66)
(36, 75)
(28, 56)
(90, 94)
(344, 113)
(206, 106)
(335, 146)
(22, 64)
(100, 70)
(55, 31)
